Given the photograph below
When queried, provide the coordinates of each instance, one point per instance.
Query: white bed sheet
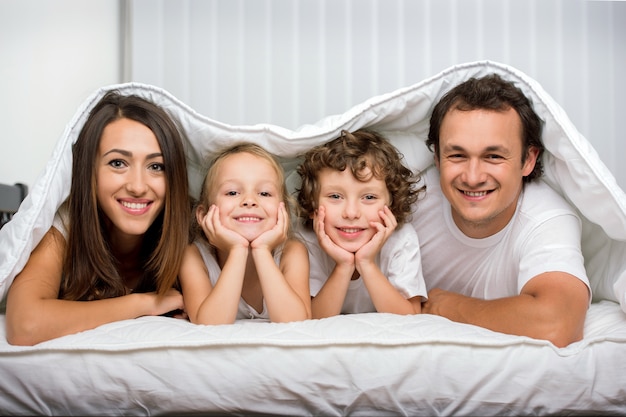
(362, 364)
(374, 364)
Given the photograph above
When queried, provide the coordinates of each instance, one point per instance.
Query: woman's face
(247, 191)
(130, 178)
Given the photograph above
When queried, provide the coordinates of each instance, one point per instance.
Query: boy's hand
(338, 254)
(387, 225)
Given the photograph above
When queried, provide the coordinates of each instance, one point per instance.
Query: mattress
(361, 364)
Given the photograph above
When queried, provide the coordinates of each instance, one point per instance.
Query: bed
(361, 364)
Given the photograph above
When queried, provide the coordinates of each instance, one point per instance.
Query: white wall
(53, 54)
(294, 62)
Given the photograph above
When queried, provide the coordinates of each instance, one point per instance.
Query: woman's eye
(157, 167)
(117, 163)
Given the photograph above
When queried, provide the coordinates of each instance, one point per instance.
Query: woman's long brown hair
(90, 270)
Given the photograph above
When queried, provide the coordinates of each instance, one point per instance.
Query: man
(500, 248)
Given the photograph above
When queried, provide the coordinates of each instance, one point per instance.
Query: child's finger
(388, 218)
(285, 216)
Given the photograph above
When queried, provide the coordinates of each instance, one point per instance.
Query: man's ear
(531, 160)
(436, 159)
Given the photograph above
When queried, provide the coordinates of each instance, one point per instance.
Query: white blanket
(359, 364)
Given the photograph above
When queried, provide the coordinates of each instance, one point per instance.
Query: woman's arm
(34, 313)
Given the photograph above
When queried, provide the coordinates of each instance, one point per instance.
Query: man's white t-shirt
(544, 235)
(399, 260)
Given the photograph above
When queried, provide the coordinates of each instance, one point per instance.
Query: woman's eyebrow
(129, 154)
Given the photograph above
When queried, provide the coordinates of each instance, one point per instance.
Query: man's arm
(551, 306)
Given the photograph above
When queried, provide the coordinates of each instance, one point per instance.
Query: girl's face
(247, 191)
(350, 206)
(130, 177)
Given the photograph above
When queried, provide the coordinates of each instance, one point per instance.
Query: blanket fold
(572, 167)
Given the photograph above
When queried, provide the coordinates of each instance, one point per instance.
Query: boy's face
(350, 206)
(481, 170)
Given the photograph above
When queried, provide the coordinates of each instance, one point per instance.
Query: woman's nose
(136, 184)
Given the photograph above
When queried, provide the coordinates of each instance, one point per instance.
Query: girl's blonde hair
(210, 179)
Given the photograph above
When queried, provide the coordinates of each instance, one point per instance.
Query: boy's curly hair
(356, 151)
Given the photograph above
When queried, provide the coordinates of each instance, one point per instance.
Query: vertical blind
(293, 62)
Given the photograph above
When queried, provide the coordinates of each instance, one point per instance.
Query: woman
(117, 242)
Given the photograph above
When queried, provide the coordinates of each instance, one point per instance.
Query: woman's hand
(171, 301)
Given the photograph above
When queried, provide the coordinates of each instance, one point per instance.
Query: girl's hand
(387, 225)
(219, 236)
(277, 234)
(338, 254)
(172, 301)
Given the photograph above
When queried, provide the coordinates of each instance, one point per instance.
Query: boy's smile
(350, 205)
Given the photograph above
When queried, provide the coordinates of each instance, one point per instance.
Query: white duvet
(366, 364)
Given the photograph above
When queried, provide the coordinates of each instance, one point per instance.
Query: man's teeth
(134, 206)
(475, 193)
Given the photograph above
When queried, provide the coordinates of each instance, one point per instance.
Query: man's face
(481, 170)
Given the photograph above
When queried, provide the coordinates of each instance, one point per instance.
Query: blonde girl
(244, 262)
